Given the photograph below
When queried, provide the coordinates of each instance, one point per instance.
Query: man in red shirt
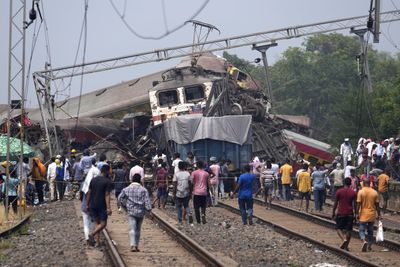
(345, 202)
(199, 182)
(162, 185)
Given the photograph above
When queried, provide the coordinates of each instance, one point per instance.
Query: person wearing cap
(346, 151)
(72, 156)
(60, 183)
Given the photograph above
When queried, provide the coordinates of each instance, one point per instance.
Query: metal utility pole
(263, 50)
(363, 59)
(374, 19)
(16, 86)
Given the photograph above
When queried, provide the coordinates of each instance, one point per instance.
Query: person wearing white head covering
(390, 148)
(346, 151)
(360, 150)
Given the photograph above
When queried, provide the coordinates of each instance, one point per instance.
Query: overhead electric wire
(35, 37)
(83, 62)
(389, 37)
(76, 56)
(164, 15)
(168, 32)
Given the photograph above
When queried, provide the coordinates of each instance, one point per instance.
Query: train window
(194, 93)
(242, 76)
(313, 160)
(168, 98)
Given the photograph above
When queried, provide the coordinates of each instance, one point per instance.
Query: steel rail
(390, 244)
(385, 228)
(192, 246)
(286, 231)
(16, 227)
(112, 251)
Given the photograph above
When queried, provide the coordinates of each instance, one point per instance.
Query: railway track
(390, 224)
(15, 228)
(319, 232)
(161, 244)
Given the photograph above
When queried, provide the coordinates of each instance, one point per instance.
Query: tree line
(321, 79)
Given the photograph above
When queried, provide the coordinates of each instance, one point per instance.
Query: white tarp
(190, 128)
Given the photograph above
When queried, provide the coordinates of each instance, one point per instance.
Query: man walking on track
(182, 191)
(245, 188)
(367, 207)
(200, 180)
(137, 203)
(98, 202)
(345, 201)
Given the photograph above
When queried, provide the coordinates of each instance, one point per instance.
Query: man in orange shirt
(383, 184)
(286, 178)
(368, 207)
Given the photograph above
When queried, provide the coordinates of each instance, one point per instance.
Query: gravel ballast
(256, 245)
(53, 237)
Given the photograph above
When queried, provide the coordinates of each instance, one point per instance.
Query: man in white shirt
(346, 151)
(136, 169)
(22, 173)
(51, 179)
(176, 161)
(275, 169)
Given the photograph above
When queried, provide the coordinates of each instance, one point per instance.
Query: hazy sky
(108, 37)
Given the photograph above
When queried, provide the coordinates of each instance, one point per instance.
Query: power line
(76, 54)
(164, 15)
(390, 40)
(168, 32)
(33, 46)
(83, 61)
(393, 4)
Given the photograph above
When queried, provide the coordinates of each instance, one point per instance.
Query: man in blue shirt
(245, 188)
(318, 183)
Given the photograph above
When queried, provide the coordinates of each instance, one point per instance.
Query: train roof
(107, 100)
(308, 141)
(186, 81)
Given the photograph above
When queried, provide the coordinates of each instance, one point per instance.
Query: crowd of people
(141, 186)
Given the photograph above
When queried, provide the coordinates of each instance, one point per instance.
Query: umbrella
(15, 148)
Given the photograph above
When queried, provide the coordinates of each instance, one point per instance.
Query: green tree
(320, 79)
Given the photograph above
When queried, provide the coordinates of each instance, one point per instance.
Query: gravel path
(255, 245)
(52, 238)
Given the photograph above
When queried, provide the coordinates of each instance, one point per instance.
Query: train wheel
(236, 109)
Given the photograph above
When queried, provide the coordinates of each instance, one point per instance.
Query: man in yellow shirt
(383, 184)
(304, 186)
(286, 178)
(368, 207)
